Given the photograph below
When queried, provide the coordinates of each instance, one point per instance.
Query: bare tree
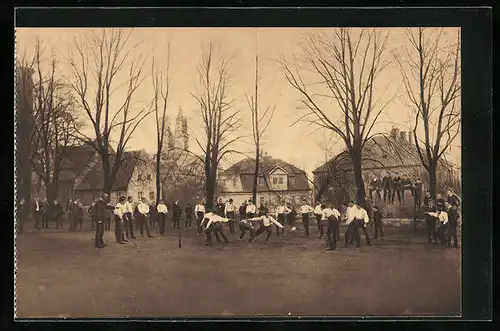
(24, 125)
(260, 123)
(220, 119)
(161, 86)
(431, 69)
(54, 124)
(346, 65)
(101, 57)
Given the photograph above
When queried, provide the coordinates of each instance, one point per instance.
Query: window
(261, 200)
(148, 177)
(140, 196)
(139, 176)
(261, 181)
(292, 200)
(152, 196)
(292, 180)
(280, 180)
(275, 180)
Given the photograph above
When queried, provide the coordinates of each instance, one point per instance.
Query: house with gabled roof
(277, 180)
(136, 177)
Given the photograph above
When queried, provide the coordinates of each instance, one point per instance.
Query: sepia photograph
(247, 171)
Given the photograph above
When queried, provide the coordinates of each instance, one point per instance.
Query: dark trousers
(430, 221)
(332, 230)
(176, 220)
(360, 224)
(230, 215)
(351, 233)
(188, 223)
(129, 226)
(217, 230)
(36, 219)
(118, 229)
(282, 220)
(199, 218)
(263, 228)
(162, 220)
(152, 220)
(99, 234)
(244, 228)
(441, 233)
(45, 221)
(143, 222)
(107, 224)
(324, 225)
(250, 215)
(318, 221)
(398, 192)
(78, 222)
(452, 233)
(305, 221)
(378, 229)
(387, 195)
(93, 223)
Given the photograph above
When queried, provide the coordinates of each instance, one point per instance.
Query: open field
(60, 273)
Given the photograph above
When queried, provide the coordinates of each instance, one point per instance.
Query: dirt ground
(61, 274)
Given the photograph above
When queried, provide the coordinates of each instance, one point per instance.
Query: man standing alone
(162, 216)
(129, 226)
(176, 214)
(100, 214)
(143, 209)
(305, 210)
(229, 210)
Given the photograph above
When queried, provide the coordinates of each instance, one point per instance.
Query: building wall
(278, 180)
(145, 184)
(271, 198)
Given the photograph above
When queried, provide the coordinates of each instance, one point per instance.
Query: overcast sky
(298, 144)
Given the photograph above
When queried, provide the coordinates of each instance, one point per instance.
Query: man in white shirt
(212, 224)
(162, 215)
(143, 215)
(281, 211)
(230, 210)
(266, 223)
(330, 218)
(318, 212)
(199, 210)
(442, 217)
(251, 210)
(128, 220)
(362, 223)
(350, 220)
(37, 212)
(305, 210)
(118, 213)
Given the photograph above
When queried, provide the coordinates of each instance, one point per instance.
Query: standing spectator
(453, 216)
(143, 214)
(377, 222)
(199, 209)
(397, 189)
(407, 186)
(37, 211)
(220, 208)
(188, 212)
(70, 206)
(388, 186)
(440, 202)
(176, 214)
(305, 210)
(45, 214)
(162, 216)
(250, 210)
(21, 212)
(291, 217)
(92, 213)
(128, 218)
(107, 215)
(263, 210)
(78, 214)
(318, 212)
(375, 186)
(417, 196)
(230, 210)
(58, 212)
(119, 213)
(243, 210)
(430, 219)
(153, 215)
(101, 213)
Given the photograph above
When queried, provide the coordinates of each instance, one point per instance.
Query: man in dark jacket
(418, 192)
(375, 186)
(188, 212)
(431, 221)
(398, 188)
(453, 215)
(220, 208)
(93, 215)
(243, 210)
(176, 214)
(37, 212)
(78, 214)
(387, 185)
(101, 214)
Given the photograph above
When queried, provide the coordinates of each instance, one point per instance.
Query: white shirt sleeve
(350, 215)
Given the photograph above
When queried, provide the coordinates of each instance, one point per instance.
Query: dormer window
(261, 181)
(139, 176)
(275, 181)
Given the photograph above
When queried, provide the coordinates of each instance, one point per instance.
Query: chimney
(394, 133)
(403, 136)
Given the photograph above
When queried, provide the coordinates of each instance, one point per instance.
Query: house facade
(136, 178)
(277, 181)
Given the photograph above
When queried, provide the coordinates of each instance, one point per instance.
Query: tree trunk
(433, 179)
(358, 177)
(158, 177)
(255, 175)
(210, 190)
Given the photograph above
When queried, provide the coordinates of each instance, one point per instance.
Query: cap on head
(231, 200)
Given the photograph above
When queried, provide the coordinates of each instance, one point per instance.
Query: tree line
(56, 111)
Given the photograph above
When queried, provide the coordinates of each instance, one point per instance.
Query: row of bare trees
(347, 63)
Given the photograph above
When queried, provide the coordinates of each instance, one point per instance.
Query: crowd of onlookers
(392, 185)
